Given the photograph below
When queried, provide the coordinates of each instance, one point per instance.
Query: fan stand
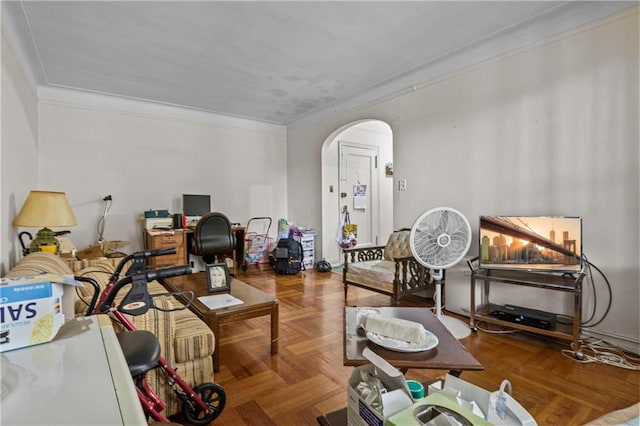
(458, 328)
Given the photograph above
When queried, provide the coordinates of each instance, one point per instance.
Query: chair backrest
(213, 235)
(398, 245)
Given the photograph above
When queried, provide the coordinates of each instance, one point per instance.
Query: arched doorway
(368, 135)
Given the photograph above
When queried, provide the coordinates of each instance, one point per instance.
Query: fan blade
(443, 221)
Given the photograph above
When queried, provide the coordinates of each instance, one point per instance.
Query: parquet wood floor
(306, 378)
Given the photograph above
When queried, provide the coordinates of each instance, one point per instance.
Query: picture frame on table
(218, 279)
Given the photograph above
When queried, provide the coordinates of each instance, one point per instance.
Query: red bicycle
(201, 404)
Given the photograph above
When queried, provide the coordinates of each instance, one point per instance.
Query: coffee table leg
(274, 328)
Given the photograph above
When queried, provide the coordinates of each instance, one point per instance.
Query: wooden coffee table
(449, 354)
(256, 304)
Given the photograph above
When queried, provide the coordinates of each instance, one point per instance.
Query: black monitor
(195, 205)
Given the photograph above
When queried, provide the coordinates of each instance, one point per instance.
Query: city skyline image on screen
(536, 243)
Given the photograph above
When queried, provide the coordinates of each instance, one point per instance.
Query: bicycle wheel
(211, 394)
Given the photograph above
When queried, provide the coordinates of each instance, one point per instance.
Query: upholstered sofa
(186, 342)
(626, 416)
(390, 269)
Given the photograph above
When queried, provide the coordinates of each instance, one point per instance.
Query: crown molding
(100, 101)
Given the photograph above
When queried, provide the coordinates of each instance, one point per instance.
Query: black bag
(323, 266)
(289, 256)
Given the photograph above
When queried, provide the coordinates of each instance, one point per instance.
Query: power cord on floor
(601, 352)
(591, 351)
(503, 331)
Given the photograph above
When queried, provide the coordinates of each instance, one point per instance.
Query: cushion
(397, 245)
(373, 273)
(78, 265)
(40, 262)
(626, 416)
(98, 271)
(193, 339)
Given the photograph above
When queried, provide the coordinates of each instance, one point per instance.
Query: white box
(307, 239)
(394, 399)
(33, 308)
(158, 222)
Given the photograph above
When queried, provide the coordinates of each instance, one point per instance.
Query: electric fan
(439, 239)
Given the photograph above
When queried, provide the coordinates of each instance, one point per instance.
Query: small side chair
(390, 269)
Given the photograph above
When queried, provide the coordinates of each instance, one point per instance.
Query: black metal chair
(213, 239)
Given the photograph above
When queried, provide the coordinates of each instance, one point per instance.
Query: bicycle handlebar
(139, 260)
(173, 271)
(138, 301)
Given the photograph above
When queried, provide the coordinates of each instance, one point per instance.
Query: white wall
(549, 129)
(148, 162)
(18, 151)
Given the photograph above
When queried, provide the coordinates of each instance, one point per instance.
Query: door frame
(330, 184)
(374, 190)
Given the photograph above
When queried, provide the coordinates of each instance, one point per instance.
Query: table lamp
(45, 208)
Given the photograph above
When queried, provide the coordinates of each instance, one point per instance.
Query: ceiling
(275, 62)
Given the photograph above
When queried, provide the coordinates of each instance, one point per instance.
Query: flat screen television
(532, 243)
(195, 205)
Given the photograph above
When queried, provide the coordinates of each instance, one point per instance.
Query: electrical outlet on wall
(402, 185)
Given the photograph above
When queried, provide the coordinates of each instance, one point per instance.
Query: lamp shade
(44, 209)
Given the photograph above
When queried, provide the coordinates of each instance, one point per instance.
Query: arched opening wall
(364, 132)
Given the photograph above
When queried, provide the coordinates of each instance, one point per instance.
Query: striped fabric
(193, 338)
(38, 263)
(78, 265)
(100, 272)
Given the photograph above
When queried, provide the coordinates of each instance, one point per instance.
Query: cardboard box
(92, 252)
(33, 308)
(366, 411)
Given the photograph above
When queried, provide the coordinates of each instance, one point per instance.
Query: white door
(359, 189)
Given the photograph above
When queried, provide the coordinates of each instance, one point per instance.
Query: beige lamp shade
(45, 209)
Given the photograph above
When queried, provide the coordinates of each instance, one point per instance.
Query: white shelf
(308, 248)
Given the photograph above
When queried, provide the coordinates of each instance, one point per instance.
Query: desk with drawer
(181, 239)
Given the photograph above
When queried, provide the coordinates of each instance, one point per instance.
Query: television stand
(567, 283)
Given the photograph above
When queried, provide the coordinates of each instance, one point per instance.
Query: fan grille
(440, 238)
